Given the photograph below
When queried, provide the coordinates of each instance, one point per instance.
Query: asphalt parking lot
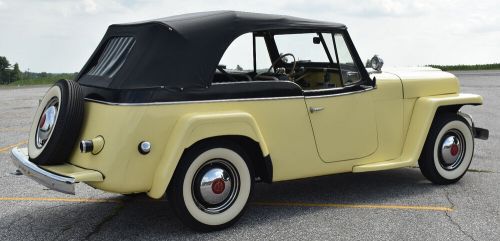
(390, 205)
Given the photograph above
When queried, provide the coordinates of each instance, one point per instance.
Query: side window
(112, 57)
(239, 55)
(329, 44)
(316, 62)
(302, 47)
(349, 70)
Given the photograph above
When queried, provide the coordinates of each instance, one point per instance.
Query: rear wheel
(56, 124)
(211, 186)
(448, 150)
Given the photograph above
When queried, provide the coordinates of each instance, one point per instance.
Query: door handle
(315, 109)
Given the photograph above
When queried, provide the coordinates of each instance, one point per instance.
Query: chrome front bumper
(479, 133)
(53, 181)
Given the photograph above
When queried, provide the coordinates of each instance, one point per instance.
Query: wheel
(448, 150)
(56, 124)
(211, 186)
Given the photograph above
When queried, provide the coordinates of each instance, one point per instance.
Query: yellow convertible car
(198, 107)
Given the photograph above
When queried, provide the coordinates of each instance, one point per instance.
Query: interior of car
(313, 60)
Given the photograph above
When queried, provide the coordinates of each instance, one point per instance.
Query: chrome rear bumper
(53, 181)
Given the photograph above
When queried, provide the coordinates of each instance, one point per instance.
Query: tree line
(11, 74)
(8, 73)
(467, 67)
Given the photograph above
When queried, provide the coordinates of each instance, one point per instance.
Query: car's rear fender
(195, 127)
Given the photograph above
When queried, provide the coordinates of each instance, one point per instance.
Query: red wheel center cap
(454, 150)
(42, 121)
(218, 186)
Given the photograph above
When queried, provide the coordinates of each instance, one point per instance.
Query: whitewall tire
(211, 185)
(47, 112)
(57, 123)
(448, 150)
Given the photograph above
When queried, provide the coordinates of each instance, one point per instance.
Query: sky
(59, 35)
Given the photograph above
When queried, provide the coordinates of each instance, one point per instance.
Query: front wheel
(211, 186)
(448, 150)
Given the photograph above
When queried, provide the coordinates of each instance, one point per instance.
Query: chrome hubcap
(452, 149)
(215, 186)
(46, 123)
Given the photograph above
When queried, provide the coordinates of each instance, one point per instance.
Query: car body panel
(386, 106)
(421, 120)
(78, 173)
(344, 122)
(417, 83)
(173, 127)
(389, 108)
(194, 127)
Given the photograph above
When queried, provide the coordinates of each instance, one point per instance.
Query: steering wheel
(292, 72)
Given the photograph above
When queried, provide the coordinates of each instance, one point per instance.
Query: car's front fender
(424, 112)
(194, 127)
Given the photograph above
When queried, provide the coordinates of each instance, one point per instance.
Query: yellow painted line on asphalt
(361, 206)
(279, 204)
(7, 148)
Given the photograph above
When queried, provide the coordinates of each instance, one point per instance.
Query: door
(340, 106)
(344, 125)
(343, 118)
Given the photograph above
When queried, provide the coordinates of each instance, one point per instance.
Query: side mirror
(316, 40)
(376, 63)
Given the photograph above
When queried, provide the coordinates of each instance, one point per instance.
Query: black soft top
(183, 51)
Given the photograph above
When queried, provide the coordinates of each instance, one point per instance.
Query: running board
(378, 166)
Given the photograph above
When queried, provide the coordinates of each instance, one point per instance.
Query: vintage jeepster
(198, 107)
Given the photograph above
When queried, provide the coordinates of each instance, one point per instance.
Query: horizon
(59, 36)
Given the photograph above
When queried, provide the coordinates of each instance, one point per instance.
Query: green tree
(4, 63)
(4, 71)
(15, 74)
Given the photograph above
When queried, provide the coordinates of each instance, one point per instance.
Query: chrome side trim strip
(322, 90)
(256, 81)
(339, 94)
(196, 101)
(50, 180)
(247, 82)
